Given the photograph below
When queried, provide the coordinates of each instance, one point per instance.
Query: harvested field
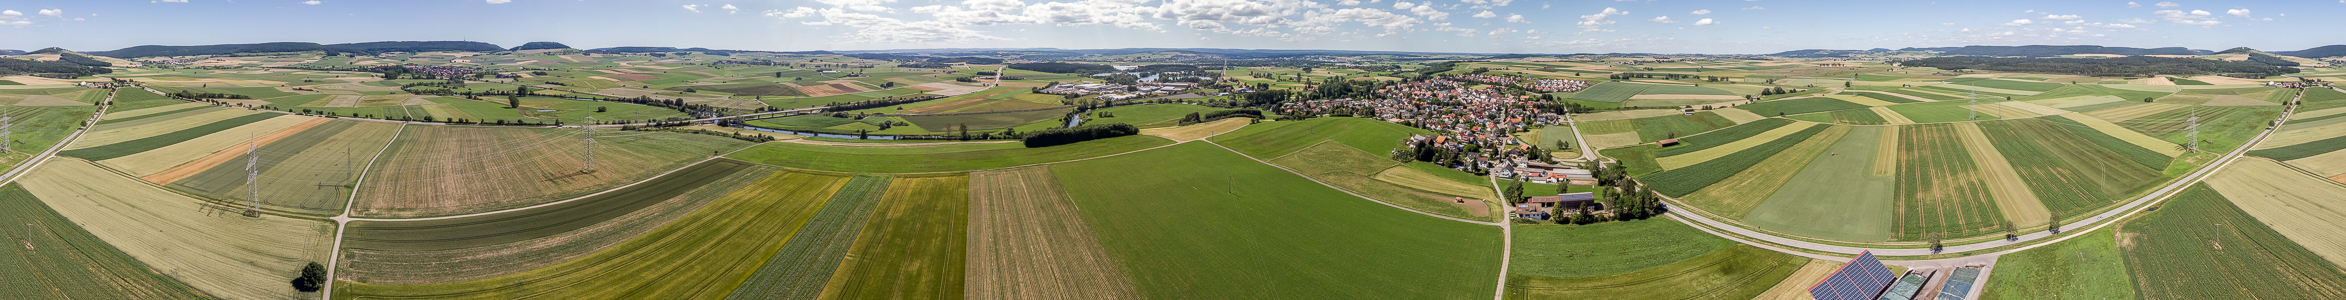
(117, 115)
(2033, 108)
(2230, 100)
(1420, 180)
(706, 254)
(1028, 241)
(1795, 287)
(2304, 208)
(1738, 272)
(2080, 101)
(211, 248)
(1737, 195)
(1625, 114)
(914, 246)
(2294, 134)
(445, 170)
(1799, 106)
(180, 152)
(1197, 131)
(344, 101)
(1861, 100)
(1689, 158)
(1826, 197)
(1891, 116)
(483, 247)
(166, 177)
(1940, 186)
(1179, 224)
(1684, 97)
(2199, 246)
(2012, 195)
(60, 260)
(2130, 112)
(1726, 136)
(826, 90)
(807, 262)
(947, 89)
(1738, 115)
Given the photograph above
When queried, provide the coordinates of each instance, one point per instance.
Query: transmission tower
(7, 130)
(252, 176)
(589, 132)
(2194, 127)
(1974, 107)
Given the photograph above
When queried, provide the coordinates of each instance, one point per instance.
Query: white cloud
(1403, 5)
(1946, 24)
(693, 7)
(1427, 10)
(17, 23)
(2195, 17)
(2020, 22)
(1701, 12)
(1595, 22)
(2142, 21)
(799, 12)
(860, 5)
(185, 1)
(1120, 13)
(1754, 8)
(1349, 3)
(2167, 5)
(2063, 17)
(730, 9)
(490, 1)
(1486, 14)
(10, 14)
(1705, 22)
(2133, 5)
(2118, 26)
(884, 30)
(2239, 13)
(312, 2)
(1515, 18)
(1663, 19)
(1318, 23)
(1501, 31)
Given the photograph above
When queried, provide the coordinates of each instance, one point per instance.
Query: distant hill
(358, 48)
(2050, 51)
(541, 46)
(2317, 52)
(11, 66)
(11, 52)
(1816, 53)
(2237, 50)
(50, 50)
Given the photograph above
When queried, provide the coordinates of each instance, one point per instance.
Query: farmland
(163, 158)
(702, 255)
(1940, 188)
(985, 121)
(2070, 174)
(1154, 115)
(1681, 181)
(1354, 170)
(2087, 267)
(2200, 246)
(1737, 195)
(1670, 127)
(425, 252)
(2142, 149)
(1799, 106)
(1274, 139)
(2011, 192)
(61, 260)
(939, 158)
(1737, 272)
(1267, 237)
(1027, 241)
(806, 263)
(1829, 187)
(37, 129)
(98, 149)
(2221, 127)
(913, 247)
(1724, 136)
(1683, 159)
(210, 248)
(1613, 92)
(1607, 248)
(1937, 112)
(2303, 208)
(443, 170)
(309, 172)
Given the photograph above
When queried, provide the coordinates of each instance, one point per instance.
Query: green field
(1834, 197)
(1737, 272)
(806, 263)
(131, 99)
(1153, 115)
(913, 247)
(1940, 190)
(2072, 175)
(964, 157)
(126, 148)
(2221, 128)
(2199, 246)
(1351, 169)
(2181, 81)
(59, 260)
(2087, 267)
(1851, 117)
(1886, 97)
(1611, 92)
(1682, 181)
(310, 172)
(1722, 137)
(1182, 227)
(790, 103)
(986, 121)
(2005, 84)
(1608, 126)
(1674, 126)
(1800, 106)
(1938, 112)
(2320, 99)
(1607, 248)
(1273, 139)
(2303, 150)
(36, 129)
(2132, 152)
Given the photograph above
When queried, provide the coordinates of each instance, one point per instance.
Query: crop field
(701, 255)
(2200, 246)
(2069, 173)
(214, 249)
(1938, 112)
(1274, 139)
(2221, 127)
(1669, 127)
(1354, 170)
(1682, 181)
(1671, 161)
(36, 129)
(807, 261)
(1799, 106)
(1738, 115)
(2087, 267)
(804, 121)
(985, 121)
(113, 116)
(1607, 248)
(1886, 97)
(60, 260)
(2010, 191)
(483, 247)
(1737, 272)
(790, 103)
(308, 172)
(913, 247)
(1154, 115)
(1180, 225)
(1940, 187)
(1890, 117)
(2080, 101)
(159, 159)
(2004, 111)
(1851, 117)
(132, 137)
(1027, 241)
(2006, 84)
(1608, 127)
(2321, 99)
(2302, 149)
(1624, 114)
(2303, 208)
(1868, 101)
(1795, 287)
(1829, 197)
(1409, 175)
(2122, 114)
(445, 170)
(1726, 136)
(941, 158)
(2143, 149)
(134, 99)
(1613, 92)
(1197, 131)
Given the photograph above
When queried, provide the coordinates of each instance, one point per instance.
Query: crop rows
(1611, 92)
(1028, 241)
(1940, 190)
(805, 263)
(2200, 246)
(132, 99)
(2221, 127)
(1886, 97)
(1799, 106)
(917, 245)
(443, 170)
(2132, 152)
(2070, 174)
(111, 117)
(1723, 136)
(126, 148)
(1738, 272)
(1858, 117)
(1667, 127)
(2303, 150)
(62, 261)
(2320, 99)
(1681, 181)
(309, 172)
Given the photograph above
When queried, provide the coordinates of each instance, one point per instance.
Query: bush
(1063, 136)
(312, 277)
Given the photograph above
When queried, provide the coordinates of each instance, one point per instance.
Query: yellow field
(2012, 195)
(2002, 111)
(2317, 113)
(2078, 101)
(1615, 140)
(1796, 287)
(107, 135)
(2039, 109)
(1196, 131)
(1739, 194)
(1691, 158)
(1990, 90)
(1891, 116)
(1886, 153)
(164, 158)
(151, 110)
(2294, 136)
(1412, 178)
(2304, 208)
(2130, 112)
(2128, 135)
(1027, 241)
(216, 250)
(2327, 164)
(1738, 115)
(1624, 114)
(1867, 101)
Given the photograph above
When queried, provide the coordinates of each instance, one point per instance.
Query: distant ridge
(541, 46)
(2317, 52)
(358, 48)
(2048, 50)
(11, 52)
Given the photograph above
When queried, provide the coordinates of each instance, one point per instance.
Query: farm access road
(44, 156)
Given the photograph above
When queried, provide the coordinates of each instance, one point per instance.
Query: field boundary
(342, 222)
(1348, 192)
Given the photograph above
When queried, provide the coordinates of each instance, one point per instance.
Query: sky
(1463, 26)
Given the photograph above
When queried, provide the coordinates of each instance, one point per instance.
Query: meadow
(2086, 267)
(60, 260)
(1607, 248)
(939, 158)
(1178, 223)
(447, 170)
(1737, 272)
(2199, 246)
(1611, 92)
(807, 262)
(1028, 241)
(2221, 128)
(1799, 106)
(1274, 139)
(1354, 170)
(1828, 196)
(36, 129)
(913, 247)
(213, 248)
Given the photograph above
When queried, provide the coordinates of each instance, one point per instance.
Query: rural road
(1740, 233)
(39, 158)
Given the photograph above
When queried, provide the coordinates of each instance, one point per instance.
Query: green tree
(312, 277)
(1515, 191)
(512, 101)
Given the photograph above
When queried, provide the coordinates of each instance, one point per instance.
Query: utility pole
(7, 131)
(1974, 107)
(590, 145)
(252, 176)
(2194, 127)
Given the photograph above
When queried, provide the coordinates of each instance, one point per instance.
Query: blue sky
(1482, 26)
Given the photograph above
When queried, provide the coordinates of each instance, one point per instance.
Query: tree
(512, 101)
(2147, 99)
(312, 277)
(1515, 191)
(601, 109)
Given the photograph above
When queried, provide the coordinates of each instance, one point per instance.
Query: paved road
(43, 157)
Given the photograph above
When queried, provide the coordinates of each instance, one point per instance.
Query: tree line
(1063, 136)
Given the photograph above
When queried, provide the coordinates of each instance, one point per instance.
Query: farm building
(1529, 211)
(1863, 278)
(1666, 143)
(1540, 208)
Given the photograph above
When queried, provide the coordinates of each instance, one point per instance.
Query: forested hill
(2121, 66)
(11, 52)
(2317, 52)
(11, 66)
(2049, 51)
(1064, 68)
(541, 46)
(356, 48)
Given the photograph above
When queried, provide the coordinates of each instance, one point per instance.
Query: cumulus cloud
(312, 2)
(2020, 22)
(2142, 21)
(2063, 17)
(1754, 8)
(2118, 26)
(729, 9)
(1596, 22)
(800, 12)
(884, 30)
(2168, 5)
(2195, 17)
(17, 23)
(490, 1)
(1349, 3)
(1663, 19)
(1427, 10)
(1515, 18)
(1701, 12)
(2133, 5)
(693, 7)
(2239, 13)
(1705, 22)
(1119, 13)
(1486, 14)
(860, 5)
(1319, 23)
(1486, 4)
(55, 13)
(10, 14)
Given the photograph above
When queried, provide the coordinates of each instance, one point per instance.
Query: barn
(1863, 278)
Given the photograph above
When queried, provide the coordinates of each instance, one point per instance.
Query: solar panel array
(1960, 284)
(1862, 279)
